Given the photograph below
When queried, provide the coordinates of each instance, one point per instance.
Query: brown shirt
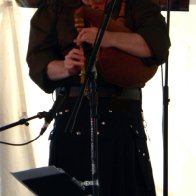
(52, 31)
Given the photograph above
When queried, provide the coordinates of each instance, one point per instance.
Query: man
(57, 55)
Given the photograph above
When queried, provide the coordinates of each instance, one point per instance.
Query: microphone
(62, 94)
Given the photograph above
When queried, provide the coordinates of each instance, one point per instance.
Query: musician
(57, 54)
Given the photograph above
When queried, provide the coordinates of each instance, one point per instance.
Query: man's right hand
(72, 64)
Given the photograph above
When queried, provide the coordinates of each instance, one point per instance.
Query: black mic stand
(90, 84)
(23, 121)
(165, 116)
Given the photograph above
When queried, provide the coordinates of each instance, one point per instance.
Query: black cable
(22, 144)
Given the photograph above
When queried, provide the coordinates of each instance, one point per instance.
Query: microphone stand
(23, 121)
(165, 116)
(90, 83)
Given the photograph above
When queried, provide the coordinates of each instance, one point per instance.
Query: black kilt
(123, 160)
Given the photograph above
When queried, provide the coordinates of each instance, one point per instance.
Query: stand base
(48, 181)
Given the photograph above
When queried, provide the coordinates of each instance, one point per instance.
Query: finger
(78, 51)
(77, 54)
(82, 36)
(71, 62)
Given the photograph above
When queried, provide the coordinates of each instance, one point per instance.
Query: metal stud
(103, 123)
(78, 133)
(137, 132)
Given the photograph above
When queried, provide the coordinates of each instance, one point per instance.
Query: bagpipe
(124, 70)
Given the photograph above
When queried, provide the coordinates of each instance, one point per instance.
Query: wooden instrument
(116, 66)
(79, 25)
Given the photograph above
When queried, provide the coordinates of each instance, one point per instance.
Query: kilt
(124, 166)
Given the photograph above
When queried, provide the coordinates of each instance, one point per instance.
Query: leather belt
(130, 93)
(102, 92)
(124, 93)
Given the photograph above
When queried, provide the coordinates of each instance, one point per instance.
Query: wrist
(56, 70)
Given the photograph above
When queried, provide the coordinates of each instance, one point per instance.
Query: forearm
(56, 70)
(131, 43)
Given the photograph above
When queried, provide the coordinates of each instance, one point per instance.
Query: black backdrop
(175, 5)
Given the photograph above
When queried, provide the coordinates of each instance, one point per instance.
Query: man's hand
(72, 64)
(74, 61)
(88, 35)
